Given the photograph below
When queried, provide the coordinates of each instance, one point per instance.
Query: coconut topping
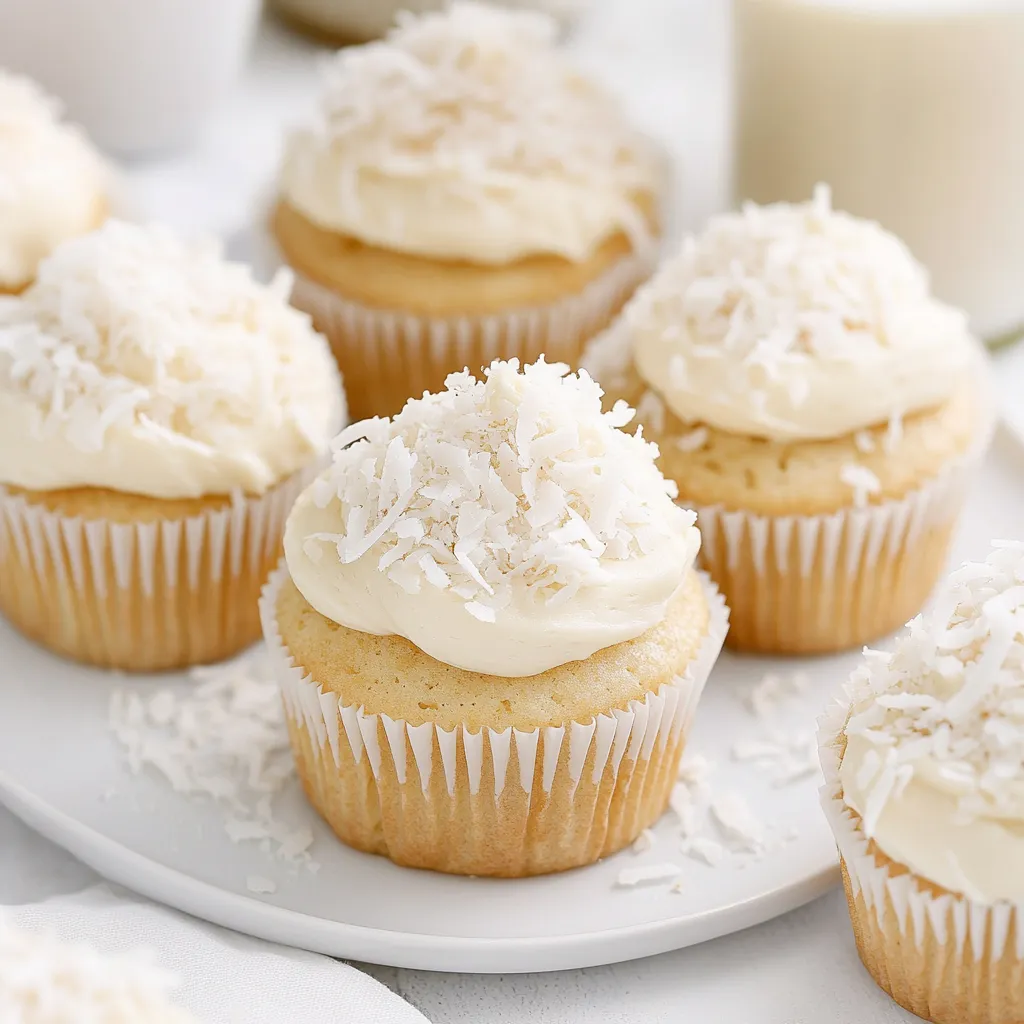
(949, 701)
(51, 180)
(513, 497)
(471, 111)
(796, 322)
(44, 981)
(143, 362)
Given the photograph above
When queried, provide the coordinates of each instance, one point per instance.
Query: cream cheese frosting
(934, 759)
(796, 322)
(52, 182)
(143, 363)
(468, 135)
(504, 526)
(45, 981)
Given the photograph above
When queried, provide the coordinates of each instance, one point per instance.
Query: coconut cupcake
(817, 407)
(159, 412)
(924, 769)
(466, 195)
(489, 633)
(53, 184)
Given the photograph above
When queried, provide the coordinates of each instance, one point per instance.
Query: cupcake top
(467, 135)
(142, 363)
(43, 981)
(934, 760)
(505, 526)
(796, 323)
(52, 182)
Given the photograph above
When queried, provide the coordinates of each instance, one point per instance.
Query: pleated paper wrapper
(815, 584)
(388, 357)
(501, 803)
(143, 596)
(940, 955)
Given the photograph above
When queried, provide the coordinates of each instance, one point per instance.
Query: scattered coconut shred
(226, 740)
(44, 981)
(951, 693)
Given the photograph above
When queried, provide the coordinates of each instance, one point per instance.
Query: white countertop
(670, 58)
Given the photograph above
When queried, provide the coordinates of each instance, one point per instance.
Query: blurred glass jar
(913, 111)
(355, 21)
(139, 75)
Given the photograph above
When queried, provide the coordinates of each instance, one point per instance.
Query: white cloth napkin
(225, 978)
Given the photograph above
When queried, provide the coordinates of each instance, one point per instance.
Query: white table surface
(669, 57)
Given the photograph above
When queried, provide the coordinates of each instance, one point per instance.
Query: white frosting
(43, 981)
(796, 323)
(504, 526)
(934, 762)
(146, 364)
(52, 182)
(467, 135)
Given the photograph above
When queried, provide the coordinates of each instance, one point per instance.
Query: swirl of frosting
(466, 134)
(504, 526)
(934, 760)
(796, 323)
(52, 182)
(142, 363)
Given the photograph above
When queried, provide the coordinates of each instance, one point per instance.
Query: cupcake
(817, 407)
(45, 981)
(924, 789)
(159, 413)
(358, 21)
(53, 184)
(488, 631)
(467, 195)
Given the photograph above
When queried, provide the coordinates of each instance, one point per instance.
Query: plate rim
(169, 886)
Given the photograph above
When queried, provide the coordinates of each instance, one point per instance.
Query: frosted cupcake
(817, 407)
(44, 981)
(924, 769)
(466, 195)
(53, 184)
(159, 413)
(489, 633)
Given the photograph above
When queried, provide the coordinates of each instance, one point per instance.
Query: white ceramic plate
(63, 773)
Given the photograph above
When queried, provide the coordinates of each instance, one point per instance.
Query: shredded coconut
(44, 981)
(260, 886)
(893, 434)
(864, 441)
(704, 849)
(132, 326)
(226, 740)
(628, 878)
(862, 481)
(773, 285)
(950, 693)
(476, 91)
(736, 821)
(693, 440)
(644, 842)
(519, 479)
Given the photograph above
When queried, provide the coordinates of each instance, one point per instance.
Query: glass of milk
(913, 111)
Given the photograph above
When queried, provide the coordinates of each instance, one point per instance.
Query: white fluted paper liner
(608, 742)
(969, 955)
(143, 595)
(828, 582)
(389, 356)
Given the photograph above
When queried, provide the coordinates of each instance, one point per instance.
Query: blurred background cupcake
(465, 195)
(159, 412)
(489, 633)
(358, 21)
(924, 790)
(53, 183)
(820, 410)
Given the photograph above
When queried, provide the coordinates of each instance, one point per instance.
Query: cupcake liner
(813, 584)
(949, 959)
(501, 803)
(387, 357)
(146, 595)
